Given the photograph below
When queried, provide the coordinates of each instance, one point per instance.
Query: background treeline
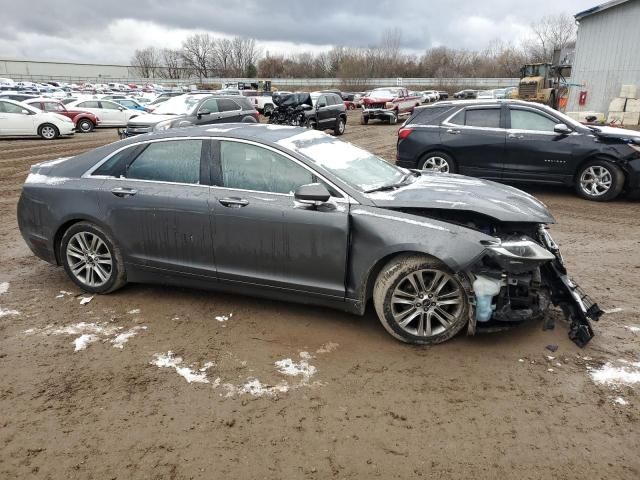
(205, 56)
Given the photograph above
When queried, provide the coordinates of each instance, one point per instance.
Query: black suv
(516, 141)
(328, 113)
(193, 109)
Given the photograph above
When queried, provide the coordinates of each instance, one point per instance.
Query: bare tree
(197, 53)
(172, 64)
(146, 61)
(549, 33)
(222, 56)
(244, 52)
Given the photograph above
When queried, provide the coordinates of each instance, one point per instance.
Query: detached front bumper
(378, 113)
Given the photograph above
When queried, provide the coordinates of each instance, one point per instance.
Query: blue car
(130, 104)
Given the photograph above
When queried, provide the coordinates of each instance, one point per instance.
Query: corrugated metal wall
(607, 56)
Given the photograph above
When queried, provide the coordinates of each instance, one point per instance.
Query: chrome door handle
(123, 192)
(234, 202)
(453, 131)
(513, 135)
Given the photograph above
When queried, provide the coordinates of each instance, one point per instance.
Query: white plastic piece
(485, 289)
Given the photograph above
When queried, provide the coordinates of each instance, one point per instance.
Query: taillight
(404, 133)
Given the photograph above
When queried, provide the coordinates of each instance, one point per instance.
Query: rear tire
(437, 162)
(85, 125)
(364, 120)
(419, 300)
(599, 180)
(48, 131)
(340, 126)
(91, 259)
(393, 119)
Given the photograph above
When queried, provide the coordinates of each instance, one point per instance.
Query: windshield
(354, 166)
(181, 105)
(535, 70)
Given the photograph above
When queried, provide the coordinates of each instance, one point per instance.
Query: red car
(85, 122)
(388, 103)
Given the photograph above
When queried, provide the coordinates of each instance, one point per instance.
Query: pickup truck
(263, 102)
(388, 103)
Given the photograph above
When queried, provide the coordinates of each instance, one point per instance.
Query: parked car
(486, 94)
(20, 119)
(443, 95)
(193, 109)
(328, 113)
(264, 101)
(388, 103)
(17, 97)
(151, 106)
(111, 114)
(302, 216)
(510, 92)
(131, 104)
(517, 141)
(465, 94)
(84, 122)
(429, 96)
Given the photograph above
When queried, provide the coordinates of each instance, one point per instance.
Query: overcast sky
(109, 31)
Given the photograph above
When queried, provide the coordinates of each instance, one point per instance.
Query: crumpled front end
(518, 278)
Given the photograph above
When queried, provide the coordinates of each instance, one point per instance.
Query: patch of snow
(521, 360)
(293, 369)
(613, 310)
(620, 401)
(632, 328)
(305, 355)
(4, 287)
(610, 374)
(6, 312)
(135, 311)
(206, 366)
(82, 327)
(549, 369)
(327, 347)
(83, 341)
(122, 338)
(85, 300)
(169, 360)
(29, 331)
(256, 388)
(38, 178)
(549, 357)
(224, 318)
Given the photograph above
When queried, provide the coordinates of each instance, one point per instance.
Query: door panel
(535, 152)
(264, 237)
(476, 141)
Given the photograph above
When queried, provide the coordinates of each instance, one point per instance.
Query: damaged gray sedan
(294, 214)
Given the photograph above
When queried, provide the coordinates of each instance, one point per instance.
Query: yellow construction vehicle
(544, 82)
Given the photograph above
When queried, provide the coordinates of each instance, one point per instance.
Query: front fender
(377, 234)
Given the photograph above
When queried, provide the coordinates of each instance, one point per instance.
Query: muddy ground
(351, 402)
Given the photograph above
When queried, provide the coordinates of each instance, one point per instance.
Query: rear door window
(210, 106)
(227, 105)
(483, 117)
(89, 104)
(176, 161)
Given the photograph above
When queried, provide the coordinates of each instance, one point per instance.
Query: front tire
(91, 259)
(419, 300)
(599, 180)
(48, 131)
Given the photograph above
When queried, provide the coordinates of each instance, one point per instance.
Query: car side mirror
(562, 129)
(321, 105)
(203, 112)
(312, 194)
(122, 109)
(25, 112)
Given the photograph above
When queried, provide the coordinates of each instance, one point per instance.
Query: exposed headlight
(162, 126)
(521, 249)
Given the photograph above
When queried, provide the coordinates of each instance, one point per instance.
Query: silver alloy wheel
(596, 180)
(341, 126)
(48, 132)
(427, 302)
(89, 259)
(436, 164)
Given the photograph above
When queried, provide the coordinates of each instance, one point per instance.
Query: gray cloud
(358, 23)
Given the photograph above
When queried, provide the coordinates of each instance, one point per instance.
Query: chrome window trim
(88, 174)
(538, 112)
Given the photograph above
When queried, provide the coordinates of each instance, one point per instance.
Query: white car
(111, 114)
(486, 94)
(19, 119)
(429, 96)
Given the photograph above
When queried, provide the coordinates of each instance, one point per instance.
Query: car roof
(487, 101)
(41, 99)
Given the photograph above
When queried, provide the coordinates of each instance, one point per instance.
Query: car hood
(151, 119)
(457, 192)
(621, 133)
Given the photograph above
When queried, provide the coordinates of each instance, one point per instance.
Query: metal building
(607, 54)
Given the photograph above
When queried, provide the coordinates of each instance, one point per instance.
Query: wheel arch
(437, 148)
(67, 224)
(598, 156)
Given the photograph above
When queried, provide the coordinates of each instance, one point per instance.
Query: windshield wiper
(391, 186)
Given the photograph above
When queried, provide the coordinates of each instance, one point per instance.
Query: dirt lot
(351, 402)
